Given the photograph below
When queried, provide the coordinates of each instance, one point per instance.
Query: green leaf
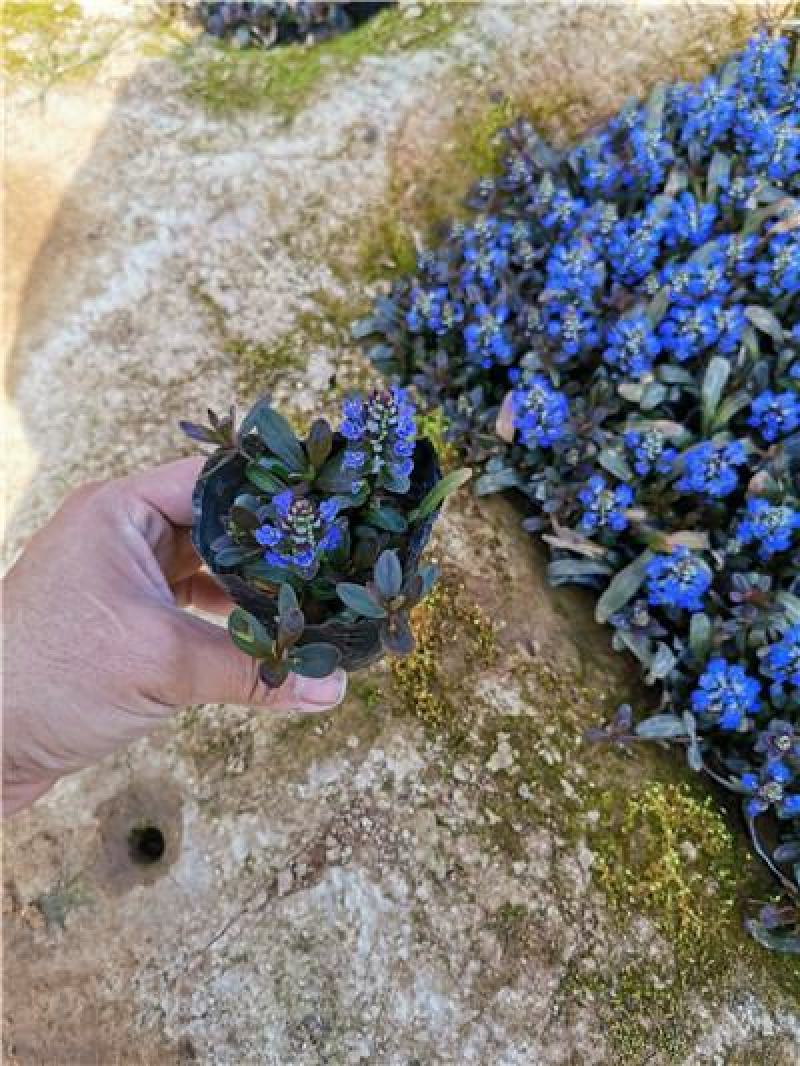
(386, 518)
(718, 173)
(622, 588)
(729, 407)
(262, 571)
(653, 395)
(440, 490)
(249, 635)
(654, 108)
(315, 660)
(496, 481)
(287, 599)
(700, 636)
(291, 624)
(263, 479)
(278, 436)
(319, 442)
(714, 381)
(359, 600)
(334, 477)
(388, 574)
(661, 665)
(765, 321)
(429, 575)
(661, 727)
(657, 307)
(235, 555)
(565, 571)
(396, 635)
(792, 605)
(616, 464)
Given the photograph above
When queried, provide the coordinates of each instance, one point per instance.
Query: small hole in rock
(146, 844)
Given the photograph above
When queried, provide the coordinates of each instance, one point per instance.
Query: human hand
(97, 648)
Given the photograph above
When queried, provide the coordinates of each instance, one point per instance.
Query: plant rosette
(319, 540)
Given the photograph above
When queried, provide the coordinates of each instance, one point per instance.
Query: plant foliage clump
(264, 23)
(615, 336)
(319, 540)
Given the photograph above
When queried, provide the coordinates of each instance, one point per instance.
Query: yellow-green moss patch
(225, 79)
(447, 628)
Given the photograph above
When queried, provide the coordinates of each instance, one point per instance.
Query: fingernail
(321, 693)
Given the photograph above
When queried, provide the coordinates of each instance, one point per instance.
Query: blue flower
(770, 526)
(651, 154)
(770, 144)
(688, 331)
(432, 309)
(487, 336)
(572, 329)
(775, 414)
(781, 740)
(381, 433)
(632, 346)
(768, 789)
(680, 579)
(780, 663)
(541, 413)
(705, 280)
(778, 273)
(690, 222)
(574, 271)
(706, 112)
(299, 534)
(762, 68)
(739, 192)
(635, 245)
(563, 210)
(726, 694)
(650, 451)
(604, 506)
(710, 469)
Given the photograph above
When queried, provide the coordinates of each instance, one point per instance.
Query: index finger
(169, 488)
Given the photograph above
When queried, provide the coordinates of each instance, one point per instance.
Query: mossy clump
(669, 854)
(426, 683)
(225, 79)
(433, 424)
(667, 850)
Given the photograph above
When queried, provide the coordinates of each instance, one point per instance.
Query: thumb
(213, 670)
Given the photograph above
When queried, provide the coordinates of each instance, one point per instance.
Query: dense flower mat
(264, 23)
(614, 334)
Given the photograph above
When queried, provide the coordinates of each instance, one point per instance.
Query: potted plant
(319, 540)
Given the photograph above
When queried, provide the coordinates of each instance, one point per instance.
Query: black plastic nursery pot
(358, 642)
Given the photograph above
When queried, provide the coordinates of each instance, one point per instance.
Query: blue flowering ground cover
(614, 334)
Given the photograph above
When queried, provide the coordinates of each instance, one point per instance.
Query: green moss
(44, 41)
(368, 692)
(227, 79)
(641, 1014)
(466, 149)
(668, 850)
(448, 630)
(434, 425)
(386, 249)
